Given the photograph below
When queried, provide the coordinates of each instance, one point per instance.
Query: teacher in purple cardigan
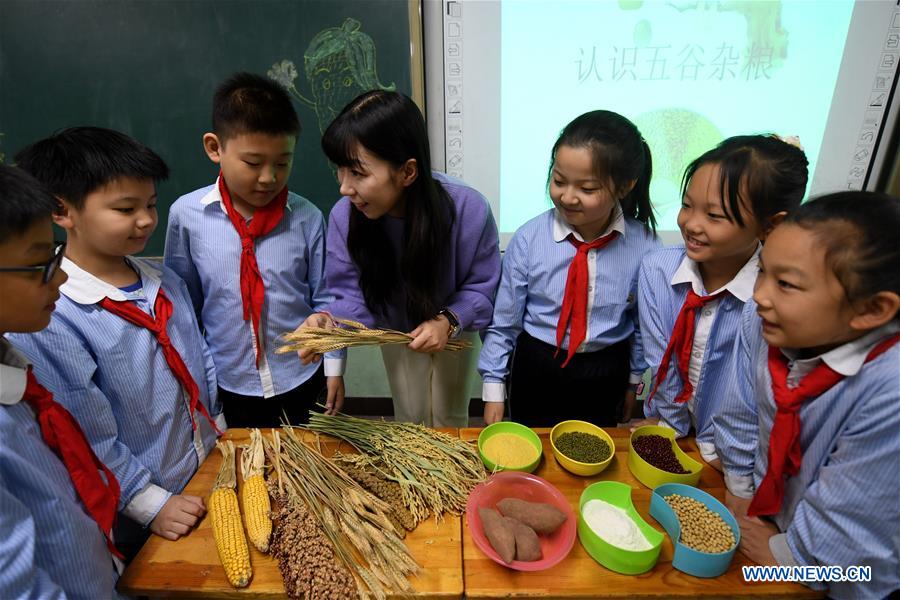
(407, 249)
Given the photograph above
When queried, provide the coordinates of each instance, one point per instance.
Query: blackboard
(149, 68)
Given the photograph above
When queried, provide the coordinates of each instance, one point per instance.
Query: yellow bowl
(652, 476)
(574, 466)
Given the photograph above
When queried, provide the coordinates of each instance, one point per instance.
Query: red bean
(657, 450)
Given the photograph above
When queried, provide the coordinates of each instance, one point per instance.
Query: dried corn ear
(254, 494)
(226, 521)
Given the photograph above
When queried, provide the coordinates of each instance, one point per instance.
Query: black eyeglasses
(47, 270)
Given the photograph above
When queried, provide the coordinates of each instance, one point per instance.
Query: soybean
(701, 528)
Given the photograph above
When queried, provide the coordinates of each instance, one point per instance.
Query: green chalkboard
(149, 68)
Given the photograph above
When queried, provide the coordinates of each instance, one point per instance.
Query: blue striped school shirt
(532, 286)
(50, 548)
(842, 507)
(113, 377)
(204, 248)
(665, 277)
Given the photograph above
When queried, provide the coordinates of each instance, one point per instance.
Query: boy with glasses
(57, 500)
(48, 269)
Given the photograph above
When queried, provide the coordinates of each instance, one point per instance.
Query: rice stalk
(435, 471)
(353, 520)
(352, 333)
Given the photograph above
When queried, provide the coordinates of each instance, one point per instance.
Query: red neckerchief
(163, 310)
(65, 437)
(264, 220)
(682, 342)
(784, 442)
(574, 306)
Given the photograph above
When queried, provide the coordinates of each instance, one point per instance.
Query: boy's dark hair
(859, 233)
(774, 173)
(620, 154)
(249, 103)
(390, 126)
(74, 162)
(23, 201)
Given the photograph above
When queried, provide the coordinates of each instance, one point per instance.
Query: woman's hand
(321, 320)
(431, 336)
(178, 516)
(716, 464)
(628, 405)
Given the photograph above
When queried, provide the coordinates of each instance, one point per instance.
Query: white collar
(562, 230)
(13, 373)
(847, 359)
(741, 286)
(213, 195)
(84, 288)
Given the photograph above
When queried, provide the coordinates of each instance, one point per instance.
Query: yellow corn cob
(226, 521)
(254, 494)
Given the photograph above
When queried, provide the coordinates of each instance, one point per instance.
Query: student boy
(57, 501)
(123, 351)
(252, 254)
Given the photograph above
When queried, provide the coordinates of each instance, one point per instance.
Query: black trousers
(256, 411)
(590, 388)
(129, 536)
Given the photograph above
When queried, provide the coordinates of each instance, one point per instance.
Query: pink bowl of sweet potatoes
(500, 501)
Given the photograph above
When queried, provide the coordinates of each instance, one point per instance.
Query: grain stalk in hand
(328, 339)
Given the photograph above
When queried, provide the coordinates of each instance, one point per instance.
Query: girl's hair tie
(793, 140)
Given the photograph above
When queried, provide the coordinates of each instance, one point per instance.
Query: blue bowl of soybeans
(713, 549)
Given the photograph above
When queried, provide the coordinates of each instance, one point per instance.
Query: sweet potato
(543, 518)
(500, 533)
(528, 546)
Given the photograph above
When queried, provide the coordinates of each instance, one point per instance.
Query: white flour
(614, 525)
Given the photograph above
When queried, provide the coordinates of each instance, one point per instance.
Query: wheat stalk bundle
(352, 333)
(355, 521)
(435, 470)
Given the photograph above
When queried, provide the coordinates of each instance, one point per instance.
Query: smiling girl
(563, 332)
(691, 296)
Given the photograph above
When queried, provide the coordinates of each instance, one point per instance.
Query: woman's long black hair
(390, 126)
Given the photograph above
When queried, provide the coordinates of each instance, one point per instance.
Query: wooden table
(190, 568)
(579, 576)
